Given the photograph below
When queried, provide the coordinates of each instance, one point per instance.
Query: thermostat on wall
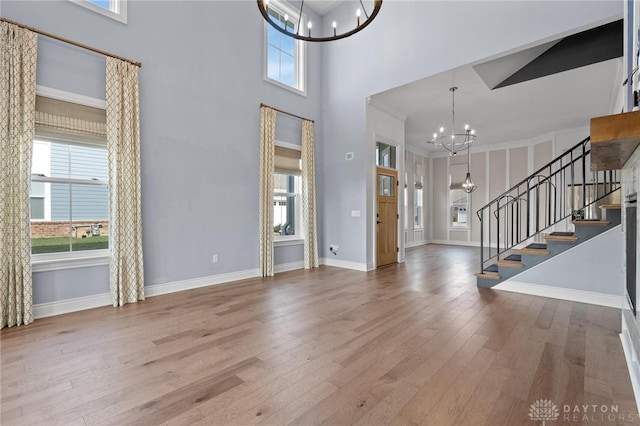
(348, 156)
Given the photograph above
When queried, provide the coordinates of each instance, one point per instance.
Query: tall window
(69, 181)
(417, 206)
(287, 210)
(286, 206)
(459, 207)
(285, 55)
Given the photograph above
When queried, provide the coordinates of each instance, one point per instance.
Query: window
(417, 207)
(115, 9)
(459, 207)
(385, 155)
(69, 180)
(284, 54)
(77, 202)
(286, 207)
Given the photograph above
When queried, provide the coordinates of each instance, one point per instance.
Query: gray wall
(201, 84)
(200, 87)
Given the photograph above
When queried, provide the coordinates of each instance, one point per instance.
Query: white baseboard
(158, 289)
(60, 307)
(572, 295)
(285, 267)
(346, 264)
(416, 243)
(631, 357)
(456, 243)
(43, 310)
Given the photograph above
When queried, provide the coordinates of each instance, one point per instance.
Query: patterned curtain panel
(309, 197)
(18, 54)
(267, 149)
(123, 150)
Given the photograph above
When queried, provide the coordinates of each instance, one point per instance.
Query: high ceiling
(564, 99)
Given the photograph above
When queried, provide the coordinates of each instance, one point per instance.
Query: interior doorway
(386, 217)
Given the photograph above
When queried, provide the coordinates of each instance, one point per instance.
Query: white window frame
(117, 9)
(451, 206)
(75, 259)
(301, 63)
(418, 202)
(298, 237)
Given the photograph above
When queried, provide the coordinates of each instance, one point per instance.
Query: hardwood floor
(408, 344)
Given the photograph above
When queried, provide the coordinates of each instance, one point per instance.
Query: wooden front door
(387, 217)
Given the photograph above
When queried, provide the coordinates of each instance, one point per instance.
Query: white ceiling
(513, 113)
(321, 7)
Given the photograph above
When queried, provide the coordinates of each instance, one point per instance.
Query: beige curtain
(267, 149)
(123, 151)
(309, 197)
(18, 54)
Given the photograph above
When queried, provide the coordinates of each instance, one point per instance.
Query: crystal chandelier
(453, 142)
(305, 33)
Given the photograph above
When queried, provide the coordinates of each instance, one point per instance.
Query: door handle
(378, 222)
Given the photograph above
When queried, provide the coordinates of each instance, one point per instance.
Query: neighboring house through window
(285, 62)
(69, 180)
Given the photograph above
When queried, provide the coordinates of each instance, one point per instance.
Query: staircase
(518, 228)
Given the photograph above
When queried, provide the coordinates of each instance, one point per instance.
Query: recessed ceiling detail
(578, 50)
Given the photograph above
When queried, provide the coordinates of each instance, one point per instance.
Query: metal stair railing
(545, 198)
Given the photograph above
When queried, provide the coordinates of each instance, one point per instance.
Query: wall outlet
(215, 258)
(333, 248)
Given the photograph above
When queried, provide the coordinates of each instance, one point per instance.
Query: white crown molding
(385, 108)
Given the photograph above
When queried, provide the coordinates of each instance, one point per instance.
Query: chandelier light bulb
(441, 129)
(435, 135)
(466, 127)
(297, 30)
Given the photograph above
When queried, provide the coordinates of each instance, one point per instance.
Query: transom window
(284, 54)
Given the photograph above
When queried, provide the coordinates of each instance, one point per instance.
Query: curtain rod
(285, 112)
(75, 43)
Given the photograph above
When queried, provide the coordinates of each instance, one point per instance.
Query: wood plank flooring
(409, 344)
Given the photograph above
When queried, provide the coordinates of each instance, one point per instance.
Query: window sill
(286, 86)
(71, 260)
(288, 242)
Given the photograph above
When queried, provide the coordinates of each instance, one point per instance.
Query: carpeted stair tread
(537, 249)
(561, 236)
(537, 246)
(491, 268)
(514, 257)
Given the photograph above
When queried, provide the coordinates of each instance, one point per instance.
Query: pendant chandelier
(456, 142)
(453, 142)
(468, 186)
(305, 34)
